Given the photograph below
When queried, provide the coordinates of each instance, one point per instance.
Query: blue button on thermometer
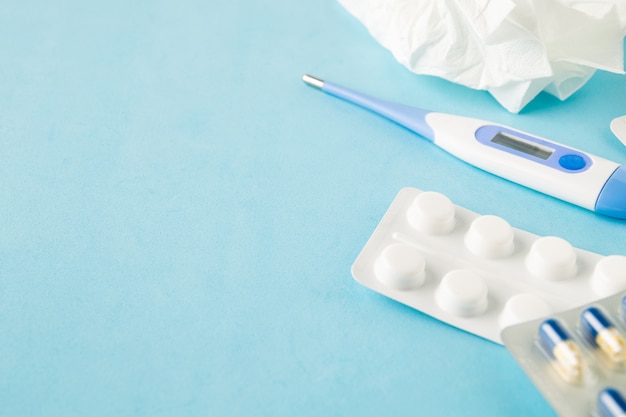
(566, 173)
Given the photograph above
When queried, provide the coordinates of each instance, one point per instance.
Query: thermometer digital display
(549, 167)
(522, 145)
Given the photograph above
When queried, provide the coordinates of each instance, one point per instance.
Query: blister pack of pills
(476, 272)
(577, 358)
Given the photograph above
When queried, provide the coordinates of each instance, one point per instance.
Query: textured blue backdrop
(179, 213)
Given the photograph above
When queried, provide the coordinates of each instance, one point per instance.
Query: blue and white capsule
(611, 403)
(563, 352)
(601, 333)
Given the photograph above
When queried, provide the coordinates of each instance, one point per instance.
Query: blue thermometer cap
(612, 198)
(592, 322)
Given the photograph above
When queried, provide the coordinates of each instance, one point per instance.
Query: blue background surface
(179, 214)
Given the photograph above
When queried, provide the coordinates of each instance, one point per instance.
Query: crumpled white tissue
(513, 48)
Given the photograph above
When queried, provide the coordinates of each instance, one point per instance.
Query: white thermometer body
(552, 168)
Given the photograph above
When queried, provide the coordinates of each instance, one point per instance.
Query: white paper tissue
(512, 48)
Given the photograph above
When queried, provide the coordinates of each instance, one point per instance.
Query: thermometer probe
(552, 168)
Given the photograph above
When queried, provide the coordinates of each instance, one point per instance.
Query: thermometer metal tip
(313, 81)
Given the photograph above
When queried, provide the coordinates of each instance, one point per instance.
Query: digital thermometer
(566, 173)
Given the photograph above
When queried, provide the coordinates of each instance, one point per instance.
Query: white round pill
(523, 307)
(463, 293)
(490, 237)
(609, 275)
(552, 258)
(400, 266)
(431, 213)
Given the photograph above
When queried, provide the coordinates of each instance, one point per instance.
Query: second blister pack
(576, 358)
